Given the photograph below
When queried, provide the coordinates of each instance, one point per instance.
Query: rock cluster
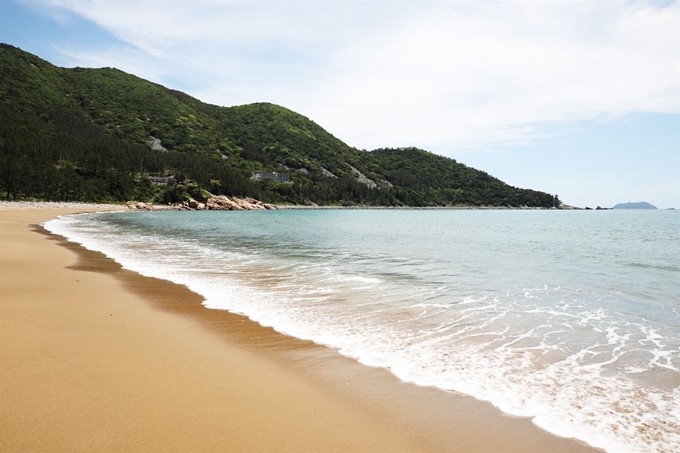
(363, 179)
(140, 206)
(215, 203)
(193, 204)
(224, 203)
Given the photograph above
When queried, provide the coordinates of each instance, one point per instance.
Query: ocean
(571, 318)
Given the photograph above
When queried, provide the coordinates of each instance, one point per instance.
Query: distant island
(638, 205)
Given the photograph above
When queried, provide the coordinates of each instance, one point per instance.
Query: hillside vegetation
(101, 134)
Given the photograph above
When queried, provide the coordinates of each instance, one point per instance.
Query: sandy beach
(95, 358)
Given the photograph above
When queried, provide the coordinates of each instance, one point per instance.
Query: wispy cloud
(445, 75)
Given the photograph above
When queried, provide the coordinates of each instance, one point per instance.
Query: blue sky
(575, 98)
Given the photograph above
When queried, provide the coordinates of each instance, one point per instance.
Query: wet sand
(96, 358)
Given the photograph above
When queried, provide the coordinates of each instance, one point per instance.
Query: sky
(575, 98)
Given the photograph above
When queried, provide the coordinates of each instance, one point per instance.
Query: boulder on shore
(139, 206)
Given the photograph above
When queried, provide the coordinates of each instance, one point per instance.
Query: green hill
(100, 134)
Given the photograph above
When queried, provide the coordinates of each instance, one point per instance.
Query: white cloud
(480, 77)
(443, 75)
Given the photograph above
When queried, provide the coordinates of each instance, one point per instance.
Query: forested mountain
(101, 134)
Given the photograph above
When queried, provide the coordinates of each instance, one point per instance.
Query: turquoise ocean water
(569, 317)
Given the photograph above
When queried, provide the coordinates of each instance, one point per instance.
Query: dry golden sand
(94, 363)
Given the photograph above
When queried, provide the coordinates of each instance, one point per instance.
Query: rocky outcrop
(155, 144)
(363, 179)
(193, 204)
(224, 203)
(139, 206)
(327, 173)
(215, 203)
(567, 207)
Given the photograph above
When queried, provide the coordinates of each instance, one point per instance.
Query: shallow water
(572, 318)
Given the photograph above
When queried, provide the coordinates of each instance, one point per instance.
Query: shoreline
(156, 207)
(433, 208)
(367, 404)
